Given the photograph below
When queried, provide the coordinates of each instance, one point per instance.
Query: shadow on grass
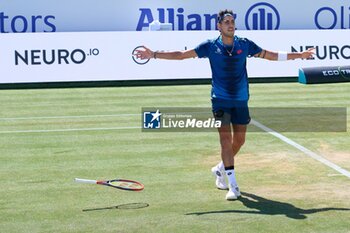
(128, 206)
(269, 207)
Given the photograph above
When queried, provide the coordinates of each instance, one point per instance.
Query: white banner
(135, 15)
(97, 56)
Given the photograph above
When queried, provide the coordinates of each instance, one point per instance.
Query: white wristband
(282, 56)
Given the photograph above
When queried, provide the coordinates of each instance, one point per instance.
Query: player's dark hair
(223, 13)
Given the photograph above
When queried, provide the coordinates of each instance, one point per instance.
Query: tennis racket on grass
(128, 185)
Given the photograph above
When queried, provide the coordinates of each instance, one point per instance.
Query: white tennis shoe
(220, 181)
(233, 193)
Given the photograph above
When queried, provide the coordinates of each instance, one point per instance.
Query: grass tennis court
(50, 136)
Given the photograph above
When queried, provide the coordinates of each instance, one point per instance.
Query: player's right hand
(144, 53)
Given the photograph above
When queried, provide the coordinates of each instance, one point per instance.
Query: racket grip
(85, 181)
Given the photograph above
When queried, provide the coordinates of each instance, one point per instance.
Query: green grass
(283, 189)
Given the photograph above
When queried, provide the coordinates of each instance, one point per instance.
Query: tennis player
(229, 95)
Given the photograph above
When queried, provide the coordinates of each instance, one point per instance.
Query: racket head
(128, 185)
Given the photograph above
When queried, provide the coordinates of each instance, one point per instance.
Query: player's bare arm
(276, 56)
(146, 53)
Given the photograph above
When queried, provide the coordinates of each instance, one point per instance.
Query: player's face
(227, 26)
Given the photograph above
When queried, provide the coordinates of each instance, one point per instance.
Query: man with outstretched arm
(230, 92)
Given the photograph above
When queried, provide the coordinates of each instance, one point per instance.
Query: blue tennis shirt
(229, 73)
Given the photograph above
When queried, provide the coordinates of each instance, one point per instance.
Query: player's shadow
(260, 205)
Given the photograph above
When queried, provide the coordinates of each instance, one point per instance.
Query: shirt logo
(218, 50)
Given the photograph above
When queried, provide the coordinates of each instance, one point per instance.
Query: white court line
(68, 130)
(84, 116)
(302, 149)
(66, 117)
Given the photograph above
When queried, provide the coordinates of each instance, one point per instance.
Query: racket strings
(126, 184)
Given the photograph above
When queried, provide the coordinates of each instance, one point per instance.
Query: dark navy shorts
(231, 112)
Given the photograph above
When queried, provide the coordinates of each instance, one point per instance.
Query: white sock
(231, 177)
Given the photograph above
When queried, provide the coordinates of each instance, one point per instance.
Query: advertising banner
(324, 74)
(135, 15)
(100, 56)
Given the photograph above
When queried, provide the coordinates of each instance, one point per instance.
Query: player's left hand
(308, 54)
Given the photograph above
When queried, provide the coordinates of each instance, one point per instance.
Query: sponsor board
(326, 74)
(101, 56)
(134, 15)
